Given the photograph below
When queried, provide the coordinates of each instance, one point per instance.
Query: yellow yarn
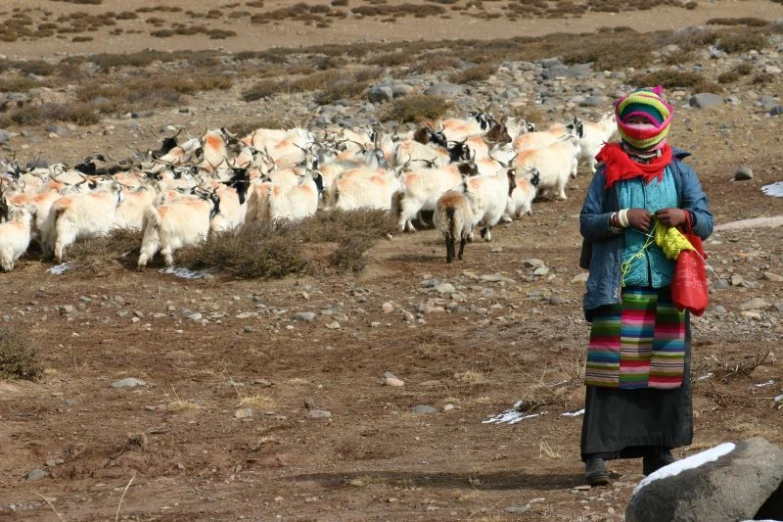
(669, 239)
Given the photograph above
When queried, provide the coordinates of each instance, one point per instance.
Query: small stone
(751, 314)
(719, 310)
(319, 414)
(389, 379)
(756, 303)
(497, 250)
(423, 408)
(66, 309)
(445, 288)
(491, 278)
(195, 317)
(743, 174)
(448, 407)
(387, 308)
(334, 325)
(247, 329)
(580, 278)
(532, 263)
(243, 413)
(736, 280)
(556, 300)
(129, 382)
(36, 474)
(305, 316)
(517, 509)
(246, 315)
(704, 100)
(541, 271)
(769, 276)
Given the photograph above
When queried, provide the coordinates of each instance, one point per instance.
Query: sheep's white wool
(694, 461)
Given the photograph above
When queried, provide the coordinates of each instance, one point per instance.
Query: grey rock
(756, 303)
(66, 309)
(319, 414)
(334, 325)
(380, 93)
(423, 408)
(550, 62)
(35, 474)
(556, 300)
(401, 89)
(777, 110)
(733, 487)
(430, 283)
(719, 311)
(445, 288)
(195, 316)
(248, 329)
(129, 382)
(491, 278)
(307, 317)
(743, 174)
(57, 129)
(445, 89)
(541, 271)
(766, 101)
(705, 100)
(580, 278)
(532, 263)
(517, 509)
(592, 101)
(4, 136)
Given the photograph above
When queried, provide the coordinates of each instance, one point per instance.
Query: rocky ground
(363, 397)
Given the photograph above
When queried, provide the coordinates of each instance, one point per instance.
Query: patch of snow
(704, 377)
(59, 269)
(576, 413)
(694, 461)
(511, 416)
(184, 273)
(775, 189)
(764, 384)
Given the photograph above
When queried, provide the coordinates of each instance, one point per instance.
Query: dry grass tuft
(18, 359)
(470, 377)
(479, 73)
(181, 406)
(97, 254)
(257, 402)
(672, 79)
(137, 441)
(78, 113)
(416, 108)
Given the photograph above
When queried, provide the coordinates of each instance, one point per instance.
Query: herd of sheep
(471, 172)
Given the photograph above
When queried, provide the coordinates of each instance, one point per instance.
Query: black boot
(654, 461)
(595, 472)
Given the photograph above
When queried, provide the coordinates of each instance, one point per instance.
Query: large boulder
(723, 484)
(705, 100)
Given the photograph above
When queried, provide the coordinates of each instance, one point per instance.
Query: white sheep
(523, 192)
(556, 164)
(15, 235)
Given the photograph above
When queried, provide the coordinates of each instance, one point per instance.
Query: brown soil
(373, 460)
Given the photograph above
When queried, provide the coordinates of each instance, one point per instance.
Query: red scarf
(620, 166)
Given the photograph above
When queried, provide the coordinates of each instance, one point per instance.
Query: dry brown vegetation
(416, 108)
(18, 359)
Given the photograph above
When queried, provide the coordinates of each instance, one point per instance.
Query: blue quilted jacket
(603, 283)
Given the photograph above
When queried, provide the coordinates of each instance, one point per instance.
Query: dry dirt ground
(189, 457)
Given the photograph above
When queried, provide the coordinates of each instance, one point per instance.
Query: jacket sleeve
(695, 200)
(594, 223)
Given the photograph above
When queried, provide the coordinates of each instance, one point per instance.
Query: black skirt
(624, 424)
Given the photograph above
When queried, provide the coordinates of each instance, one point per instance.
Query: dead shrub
(36, 67)
(478, 73)
(18, 360)
(339, 3)
(263, 89)
(763, 78)
(611, 52)
(78, 113)
(17, 84)
(391, 59)
(81, 39)
(350, 254)
(257, 251)
(742, 42)
(416, 108)
(677, 79)
(749, 21)
(96, 255)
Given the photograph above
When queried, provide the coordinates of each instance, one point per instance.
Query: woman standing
(638, 398)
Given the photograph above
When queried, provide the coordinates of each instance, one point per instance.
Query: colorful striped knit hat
(649, 104)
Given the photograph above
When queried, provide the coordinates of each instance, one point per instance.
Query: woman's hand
(639, 219)
(671, 217)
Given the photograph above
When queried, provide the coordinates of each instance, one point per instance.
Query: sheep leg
(486, 233)
(462, 242)
(168, 255)
(449, 249)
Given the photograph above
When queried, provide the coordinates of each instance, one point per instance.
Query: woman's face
(637, 120)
